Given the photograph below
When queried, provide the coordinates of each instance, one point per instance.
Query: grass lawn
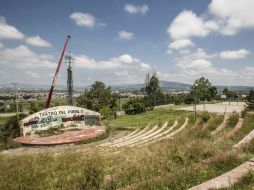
(169, 164)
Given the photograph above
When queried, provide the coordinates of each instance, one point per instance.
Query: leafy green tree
(8, 131)
(33, 107)
(230, 94)
(203, 89)
(152, 90)
(97, 97)
(134, 106)
(250, 100)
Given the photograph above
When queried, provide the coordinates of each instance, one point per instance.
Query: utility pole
(119, 99)
(195, 101)
(16, 100)
(69, 60)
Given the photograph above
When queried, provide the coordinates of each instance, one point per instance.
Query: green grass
(248, 126)
(170, 164)
(230, 124)
(215, 122)
(3, 120)
(149, 117)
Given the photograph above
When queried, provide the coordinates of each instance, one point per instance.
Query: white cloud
(184, 51)
(9, 32)
(126, 58)
(247, 75)
(1, 45)
(135, 9)
(116, 63)
(83, 19)
(82, 61)
(120, 69)
(33, 74)
(182, 43)
(144, 67)
(37, 41)
(125, 35)
(235, 54)
(193, 65)
(122, 73)
(233, 14)
(188, 24)
(196, 64)
(22, 57)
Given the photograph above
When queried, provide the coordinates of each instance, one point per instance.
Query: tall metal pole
(16, 100)
(69, 60)
(195, 101)
(119, 101)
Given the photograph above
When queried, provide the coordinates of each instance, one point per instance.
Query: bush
(244, 112)
(204, 117)
(134, 106)
(106, 111)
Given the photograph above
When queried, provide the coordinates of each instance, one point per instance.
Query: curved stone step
(146, 141)
(170, 135)
(150, 135)
(245, 140)
(227, 179)
(135, 139)
(126, 137)
(237, 127)
(222, 125)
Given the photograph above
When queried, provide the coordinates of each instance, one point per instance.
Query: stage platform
(69, 136)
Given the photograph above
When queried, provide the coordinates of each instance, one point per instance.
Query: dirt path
(61, 148)
(227, 179)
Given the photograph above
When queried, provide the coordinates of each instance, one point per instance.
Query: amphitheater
(167, 131)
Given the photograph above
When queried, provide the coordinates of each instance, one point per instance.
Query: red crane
(57, 70)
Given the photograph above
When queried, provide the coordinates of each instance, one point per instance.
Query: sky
(118, 41)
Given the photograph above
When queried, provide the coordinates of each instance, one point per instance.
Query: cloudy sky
(119, 41)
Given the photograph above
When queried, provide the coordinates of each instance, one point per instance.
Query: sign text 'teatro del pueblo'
(60, 116)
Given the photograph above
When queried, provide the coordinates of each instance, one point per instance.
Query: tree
(97, 97)
(152, 90)
(203, 89)
(33, 107)
(230, 94)
(134, 106)
(250, 100)
(9, 130)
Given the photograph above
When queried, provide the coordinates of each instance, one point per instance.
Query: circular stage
(81, 134)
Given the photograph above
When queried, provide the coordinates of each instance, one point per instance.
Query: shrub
(204, 117)
(106, 111)
(244, 112)
(134, 106)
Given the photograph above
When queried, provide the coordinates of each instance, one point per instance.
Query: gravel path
(227, 179)
(61, 148)
(217, 108)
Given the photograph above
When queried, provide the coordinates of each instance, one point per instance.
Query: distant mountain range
(163, 85)
(167, 85)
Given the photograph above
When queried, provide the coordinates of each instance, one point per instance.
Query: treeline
(101, 98)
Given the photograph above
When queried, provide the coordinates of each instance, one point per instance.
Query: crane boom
(57, 70)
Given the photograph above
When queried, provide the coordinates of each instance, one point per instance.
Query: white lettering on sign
(58, 116)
